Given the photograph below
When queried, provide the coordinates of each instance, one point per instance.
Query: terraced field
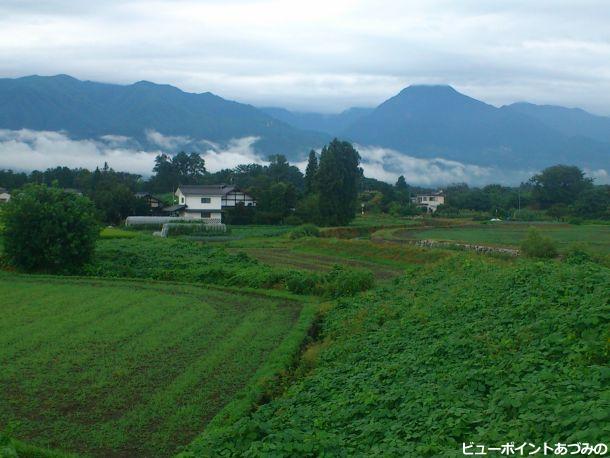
(125, 368)
(386, 262)
(597, 237)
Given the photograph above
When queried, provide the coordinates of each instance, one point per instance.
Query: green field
(119, 368)
(166, 345)
(467, 349)
(597, 237)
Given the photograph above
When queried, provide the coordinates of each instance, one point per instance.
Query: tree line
(330, 192)
(282, 192)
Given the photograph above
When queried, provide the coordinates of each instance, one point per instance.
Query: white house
(429, 201)
(208, 201)
(4, 196)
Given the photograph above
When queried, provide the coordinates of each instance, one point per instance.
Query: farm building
(4, 196)
(429, 201)
(154, 203)
(208, 201)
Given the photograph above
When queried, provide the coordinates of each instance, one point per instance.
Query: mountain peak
(428, 90)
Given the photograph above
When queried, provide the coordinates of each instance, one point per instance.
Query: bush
(300, 283)
(306, 230)
(537, 246)
(575, 220)
(578, 253)
(347, 282)
(47, 229)
(338, 282)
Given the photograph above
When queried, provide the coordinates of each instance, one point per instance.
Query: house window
(182, 200)
(206, 200)
(206, 214)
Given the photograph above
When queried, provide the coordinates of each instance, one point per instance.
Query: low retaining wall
(465, 246)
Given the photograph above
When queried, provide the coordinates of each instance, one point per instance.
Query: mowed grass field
(597, 237)
(125, 368)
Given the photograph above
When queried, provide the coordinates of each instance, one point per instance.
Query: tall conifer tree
(337, 183)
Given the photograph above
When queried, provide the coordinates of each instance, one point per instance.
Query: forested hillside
(87, 109)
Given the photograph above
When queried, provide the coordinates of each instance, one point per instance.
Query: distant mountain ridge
(438, 121)
(421, 121)
(573, 122)
(88, 109)
(332, 124)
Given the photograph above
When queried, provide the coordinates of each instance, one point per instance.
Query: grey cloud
(387, 165)
(321, 55)
(167, 142)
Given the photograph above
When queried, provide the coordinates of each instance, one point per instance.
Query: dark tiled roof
(203, 210)
(145, 194)
(174, 208)
(206, 190)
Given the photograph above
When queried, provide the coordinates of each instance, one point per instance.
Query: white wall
(199, 215)
(194, 203)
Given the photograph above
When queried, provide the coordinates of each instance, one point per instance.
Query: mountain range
(87, 109)
(421, 121)
(438, 121)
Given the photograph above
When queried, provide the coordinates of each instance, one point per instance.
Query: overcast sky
(321, 55)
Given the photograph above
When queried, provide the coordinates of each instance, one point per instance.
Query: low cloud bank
(37, 150)
(27, 150)
(388, 164)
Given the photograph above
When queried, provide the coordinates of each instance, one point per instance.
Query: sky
(321, 55)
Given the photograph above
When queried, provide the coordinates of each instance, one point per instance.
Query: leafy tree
(277, 202)
(115, 203)
(310, 172)
(183, 168)
(280, 170)
(308, 208)
(593, 203)
(189, 168)
(337, 183)
(240, 214)
(560, 184)
(165, 178)
(47, 229)
(401, 184)
(12, 180)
